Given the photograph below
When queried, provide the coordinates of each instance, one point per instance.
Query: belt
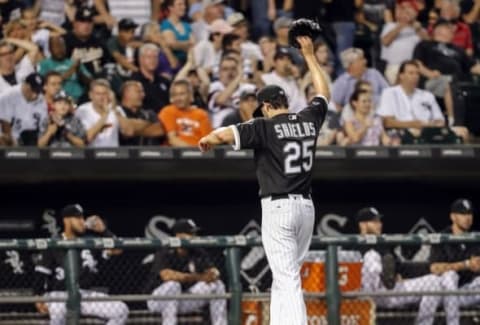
(287, 196)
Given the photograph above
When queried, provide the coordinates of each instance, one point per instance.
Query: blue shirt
(181, 37)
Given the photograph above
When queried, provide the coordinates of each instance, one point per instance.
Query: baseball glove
(303, 27)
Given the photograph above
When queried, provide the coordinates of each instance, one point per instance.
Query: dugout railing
(231, 247)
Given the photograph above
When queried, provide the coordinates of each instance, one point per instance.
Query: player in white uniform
(379, 274)
(22, 108)
(284, 149)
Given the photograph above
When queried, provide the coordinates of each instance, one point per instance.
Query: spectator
(184, 125)
(347, 111)
(198, 78)
(399, 39)
(462, 36)
(168, 63)
(22, 108)
(441, 62)
(207, 53)
(155, 86)
(248, 104)
(52, 86)
(82, 45)
(73, 73)
(224, 94)
(40, 31)
(121, 48)
(379, 273)
(283, 76)
(458, 265)
(101, 118)
(378, 12)
(362, 128)
(50, 272)
(281, 27)
(232, 42)
(240, 26)
(10, 10)
(268, 48)
(177, 33)
(405, 106)
(61, 129)
(355, 65)
(132, 95)
(10, 73)
(186, 270)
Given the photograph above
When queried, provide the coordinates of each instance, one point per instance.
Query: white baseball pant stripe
(287, 226)
(170, 308)
(371, 281)
(115, 312)
(452, 304)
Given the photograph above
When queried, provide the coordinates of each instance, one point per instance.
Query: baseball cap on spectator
(127, 24)
(61, 95)
(35, 81)
(185, 226)
(368, 214)
(247, 94)
(462, 206)
(220, 26)
(72, 210)
(282, 52)
(267, 94)
(282, 22)
(84, 14)
(236, 19)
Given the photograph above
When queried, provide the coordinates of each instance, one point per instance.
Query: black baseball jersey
(196, 261)
(50, 271)
(452, 253)
(284, 148)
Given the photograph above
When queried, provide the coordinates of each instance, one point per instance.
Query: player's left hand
(306, 45)
(204, 145)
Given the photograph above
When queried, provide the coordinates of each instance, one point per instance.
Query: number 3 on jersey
(299, 155)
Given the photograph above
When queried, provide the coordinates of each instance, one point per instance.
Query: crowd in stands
(108, 73)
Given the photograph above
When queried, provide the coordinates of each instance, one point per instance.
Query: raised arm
(318, 75)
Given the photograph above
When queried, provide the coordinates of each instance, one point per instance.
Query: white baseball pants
(287, 226)
(371, 281)
(452, 303)
(115, 312)
(170, 308)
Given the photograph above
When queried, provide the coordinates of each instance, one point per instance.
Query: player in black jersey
(284, 150)
(50, 272)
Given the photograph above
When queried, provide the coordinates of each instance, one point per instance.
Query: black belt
(286, 196)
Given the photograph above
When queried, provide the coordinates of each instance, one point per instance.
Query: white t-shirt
(22, 115)
(251, 50)
(137, 10)
(53, 11)
(296, 99)
(402, 47)
(205, 55)
(421, 105)
(41, 37)
(22, 70)
(108, 137)
(218, 113)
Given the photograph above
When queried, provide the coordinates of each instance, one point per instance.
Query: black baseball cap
(368, 214)
(35, 81)
(282, 52)
(186, 226)
(127, 24)
(72, 210)
(84, 14)
(61, 95)
(462, 206)
(247, 94)
(267, 94)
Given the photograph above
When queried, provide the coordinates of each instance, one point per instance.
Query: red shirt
(462, 37)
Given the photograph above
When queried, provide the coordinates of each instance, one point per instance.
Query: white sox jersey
(284, 148)
(22, 115)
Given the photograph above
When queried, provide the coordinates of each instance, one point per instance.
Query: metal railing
(232, 246)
